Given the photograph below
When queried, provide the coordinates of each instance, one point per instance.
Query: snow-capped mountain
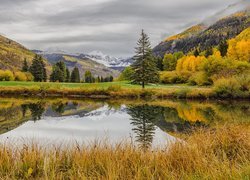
(97, 56)
(107, 60)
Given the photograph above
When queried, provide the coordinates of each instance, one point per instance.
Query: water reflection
(147, 121)
(143, 118)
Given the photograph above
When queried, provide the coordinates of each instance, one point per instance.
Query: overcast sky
(110, 26)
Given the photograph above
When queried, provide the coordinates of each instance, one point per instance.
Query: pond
(143, 123)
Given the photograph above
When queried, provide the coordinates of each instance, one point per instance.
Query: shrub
(29, 76)
(230, 87)
(169, 77)
(199, 78)
(20, 76)
(6, 75)
(173, 77)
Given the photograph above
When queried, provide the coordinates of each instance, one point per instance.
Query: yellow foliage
(191, 114)
(6, 75)
(239, 47)
(190, 63)
(20, 76)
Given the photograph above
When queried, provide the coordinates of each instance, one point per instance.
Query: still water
(146, 124)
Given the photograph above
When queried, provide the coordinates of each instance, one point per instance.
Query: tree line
(60, 73)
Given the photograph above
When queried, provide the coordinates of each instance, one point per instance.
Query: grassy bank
(221, 153)
(114, 90)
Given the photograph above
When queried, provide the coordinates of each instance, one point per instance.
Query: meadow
(103, 90)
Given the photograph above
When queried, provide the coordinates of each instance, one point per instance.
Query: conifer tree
(88, 77)
(67, 75)
(75, 75)
(223, 47)
(145, 69)
(196, 52)
(57, 74)
(38, 70)
(25, 67)
(209, 52)
(62, 67)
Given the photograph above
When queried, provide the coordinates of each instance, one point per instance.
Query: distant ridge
(221, 26)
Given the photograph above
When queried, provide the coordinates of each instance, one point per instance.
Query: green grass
(87, 85)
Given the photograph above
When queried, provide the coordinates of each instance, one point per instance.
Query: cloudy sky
(110, 26)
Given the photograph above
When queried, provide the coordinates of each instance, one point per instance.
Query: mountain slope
(12, 55)
(83, 63)
(202, 37)
(109, 61)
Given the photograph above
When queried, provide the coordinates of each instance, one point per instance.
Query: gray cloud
(111, 26)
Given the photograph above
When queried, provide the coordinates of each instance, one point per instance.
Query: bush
(172, 77)
(199, 78)
(230, 87)
(6, 75)
(29, 76)
(20, 76)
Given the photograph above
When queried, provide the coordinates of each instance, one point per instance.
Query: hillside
(83, 63)
(12, 55)
(199, 36)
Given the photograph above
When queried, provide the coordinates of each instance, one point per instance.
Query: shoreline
(117, 93)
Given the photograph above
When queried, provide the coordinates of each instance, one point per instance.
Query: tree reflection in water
(36, 109)
(143, 119)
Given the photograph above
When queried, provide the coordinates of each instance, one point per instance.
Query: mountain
(12, 55)
(210, 32)
(83, 62)
(109, 61)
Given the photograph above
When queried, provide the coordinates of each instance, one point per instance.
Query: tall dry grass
(220, 153)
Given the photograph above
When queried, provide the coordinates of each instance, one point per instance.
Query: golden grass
(219, 153)
(109, 92)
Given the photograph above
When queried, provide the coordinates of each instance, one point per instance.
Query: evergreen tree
(25, 67)
(159, 61)
(67, 75)
(88, 77)
(111, 78)
(57, 74)
(102, 80)
(43, 69)
(223, 47)
(145, 70)
(209, 52)
(62, 67)
(75, 75)
(38, 70)
(196, 52)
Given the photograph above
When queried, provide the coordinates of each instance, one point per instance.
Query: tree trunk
(143, 85)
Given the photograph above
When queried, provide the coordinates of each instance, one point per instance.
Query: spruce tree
(145, 69)
(61, 65)
(43, 69)
(75, 75)
(38, 70)
(196, 52)
(209, 52)
(88, 77)
(67, 75)
(223, 47)
(57, 74)
(25, 67)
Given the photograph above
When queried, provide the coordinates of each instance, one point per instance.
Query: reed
(218, 153)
